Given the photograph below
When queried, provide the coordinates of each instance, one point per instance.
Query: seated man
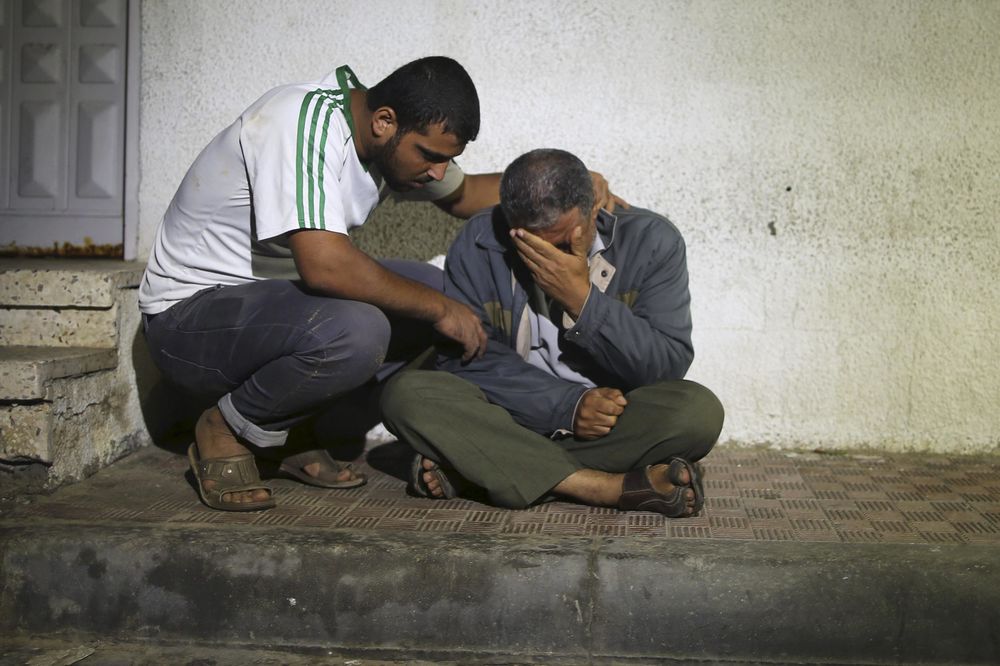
(580, 391)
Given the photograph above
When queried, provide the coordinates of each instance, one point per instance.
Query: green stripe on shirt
(322, 165)
(310, 173)
(299, 176)
(310, 157)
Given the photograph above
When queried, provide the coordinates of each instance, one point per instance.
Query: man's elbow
(320, 280)
(671, 366)
(682, 363)
(309, 274)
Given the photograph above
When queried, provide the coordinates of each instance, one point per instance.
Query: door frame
(133, 84)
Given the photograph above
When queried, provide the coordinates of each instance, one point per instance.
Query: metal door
(62, 126)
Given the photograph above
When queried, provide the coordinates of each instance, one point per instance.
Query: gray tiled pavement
(753, 494)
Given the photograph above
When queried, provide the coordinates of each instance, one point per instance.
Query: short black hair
(541, 185)
(428, 91)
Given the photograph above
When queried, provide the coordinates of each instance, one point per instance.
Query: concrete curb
(450, 594)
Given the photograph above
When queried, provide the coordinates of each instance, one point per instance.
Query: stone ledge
(65, 283)
(59, 327)
(25, 371)
(640, 598)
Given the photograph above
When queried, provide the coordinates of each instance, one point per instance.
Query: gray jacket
(635, 328)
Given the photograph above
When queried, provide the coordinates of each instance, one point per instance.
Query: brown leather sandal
(330, 469)
(695, 473)
(638, 493)
(235, 474)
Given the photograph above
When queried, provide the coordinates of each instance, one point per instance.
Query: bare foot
(661, 484)
(430, 480)
(315, 469)
(215, 440)
(592, 486)
(597, 488)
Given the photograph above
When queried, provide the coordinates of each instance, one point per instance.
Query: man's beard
(385, 162)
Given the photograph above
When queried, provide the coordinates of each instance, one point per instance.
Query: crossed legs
(449, 420)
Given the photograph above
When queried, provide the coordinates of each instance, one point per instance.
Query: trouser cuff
(245, 430)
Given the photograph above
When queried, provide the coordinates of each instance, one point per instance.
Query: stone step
(65, 283)
(26, 371)
(69, 386)
(59, 327)
(26, 433)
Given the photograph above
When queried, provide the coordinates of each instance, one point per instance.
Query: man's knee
(412, 393)
(707, 417)
(704, 417)
(396, 401)
(688, 410)
(352, 338)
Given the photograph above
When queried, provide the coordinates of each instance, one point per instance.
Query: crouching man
(580, 393)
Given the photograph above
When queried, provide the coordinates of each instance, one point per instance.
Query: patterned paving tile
(773, 534)
(752, 495)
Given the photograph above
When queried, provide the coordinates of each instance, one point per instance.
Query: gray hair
(541, 185)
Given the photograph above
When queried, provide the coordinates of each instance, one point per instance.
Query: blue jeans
(272, 354)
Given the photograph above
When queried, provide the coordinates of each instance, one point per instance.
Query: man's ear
(384, 124)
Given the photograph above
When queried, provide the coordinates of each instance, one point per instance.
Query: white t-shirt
(287, 163)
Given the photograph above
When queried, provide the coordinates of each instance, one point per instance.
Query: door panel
(6, 6)
(63, 115)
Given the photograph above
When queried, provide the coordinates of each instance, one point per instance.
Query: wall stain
(95, 567)
(88, 249)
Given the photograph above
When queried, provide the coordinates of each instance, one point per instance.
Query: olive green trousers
(449, 420)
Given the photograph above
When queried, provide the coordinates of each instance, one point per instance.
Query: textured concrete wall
(834, 166)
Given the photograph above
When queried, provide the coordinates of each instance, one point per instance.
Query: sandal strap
(678, 465)
(320, 456)
(231, 473)
(695, 474)
(635, 481)
(638, 494)
(420, 487)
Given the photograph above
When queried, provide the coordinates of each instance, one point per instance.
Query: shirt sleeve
(294, 150)
(436, 189)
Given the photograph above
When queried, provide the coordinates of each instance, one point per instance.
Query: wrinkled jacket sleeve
(535, 399)
(651, 341)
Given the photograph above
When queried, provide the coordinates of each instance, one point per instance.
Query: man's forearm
(330, 264)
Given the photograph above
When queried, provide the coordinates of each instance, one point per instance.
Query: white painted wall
(834, 166)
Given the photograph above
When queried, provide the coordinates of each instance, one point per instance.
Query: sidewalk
(797, 558)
